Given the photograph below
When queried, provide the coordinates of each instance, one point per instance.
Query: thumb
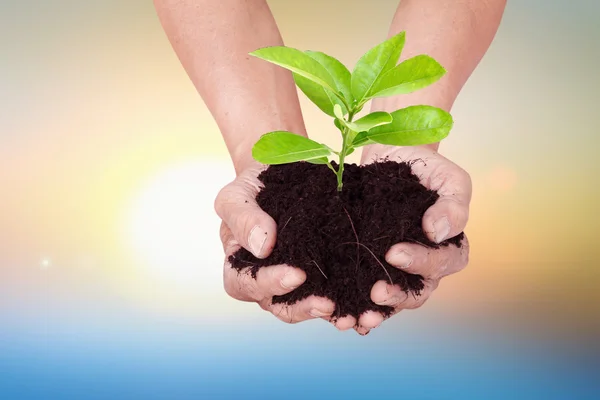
(252, 228)
(450, 213)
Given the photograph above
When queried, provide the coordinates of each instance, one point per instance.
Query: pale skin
(249, 97)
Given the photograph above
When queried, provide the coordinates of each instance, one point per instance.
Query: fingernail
(442, 229)
(256, 240)
(402, 259)
(291, 280)
(317, 313)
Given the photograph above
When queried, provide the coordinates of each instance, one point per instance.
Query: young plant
(342, 95)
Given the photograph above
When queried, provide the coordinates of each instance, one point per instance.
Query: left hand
(445, 219)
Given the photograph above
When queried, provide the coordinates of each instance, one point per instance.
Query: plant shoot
(342, 95)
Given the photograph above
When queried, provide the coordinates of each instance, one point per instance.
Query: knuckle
(285, 313)
(265, 304)
(247, 285)
(227, 239)
(455, 186)
(223, 232)
(459, 174)
(430, 263)
(231, 197)
(460, 214)
(240, 285)
(437, 178)
(267, 280)
(418, 302)
(230, 287)
(222, 200)
(467, 181)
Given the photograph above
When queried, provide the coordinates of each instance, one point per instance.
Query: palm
(445, 219)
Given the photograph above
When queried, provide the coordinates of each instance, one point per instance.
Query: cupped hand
(443, 220)
(245, 224)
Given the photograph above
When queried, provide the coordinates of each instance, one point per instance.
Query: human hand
(245, 224)
(445, 219)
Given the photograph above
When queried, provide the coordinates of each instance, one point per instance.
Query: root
(356, 236)
(351, 223)
(380, 237)
(376, 259)
(286, 224)
(358, 245)
(320, 269)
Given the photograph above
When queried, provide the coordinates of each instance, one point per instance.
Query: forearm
(457, 33)
(246, 96)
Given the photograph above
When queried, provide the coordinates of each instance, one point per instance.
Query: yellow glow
(171, 228)
(502, 178)
(45, 264)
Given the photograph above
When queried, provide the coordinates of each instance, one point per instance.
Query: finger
(385, 294)
(253, 228)
(230, 245)
(310, 308)
(362, 331)
(428, 262)
(279, 280)
(369, 320)
(270, 281)
(449, 215)
(344, 323)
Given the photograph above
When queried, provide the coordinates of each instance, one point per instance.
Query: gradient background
(110, 262)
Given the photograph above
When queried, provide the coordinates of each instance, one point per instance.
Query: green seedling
(342, 95)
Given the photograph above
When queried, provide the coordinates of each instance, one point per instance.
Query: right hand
(245, 224)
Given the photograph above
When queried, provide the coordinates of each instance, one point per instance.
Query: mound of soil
(381, 204)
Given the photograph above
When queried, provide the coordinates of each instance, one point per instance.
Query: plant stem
(340, 171)
(342, 154)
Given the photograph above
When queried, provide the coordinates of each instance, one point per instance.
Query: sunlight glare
(172, 228)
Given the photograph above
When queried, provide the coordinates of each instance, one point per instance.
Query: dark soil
(381, 204)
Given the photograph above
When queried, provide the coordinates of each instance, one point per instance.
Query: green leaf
(375, 63)
(338, 112)
(340, 120)
(367, 122)
(372, 120)
(408, 76)
(413, 126)
(361, 139)
(351, 133)
(297, 62)
(323, 160)
(281, 147)
(321, 97)
(352, 127)
(338, 124)
(338, 72)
